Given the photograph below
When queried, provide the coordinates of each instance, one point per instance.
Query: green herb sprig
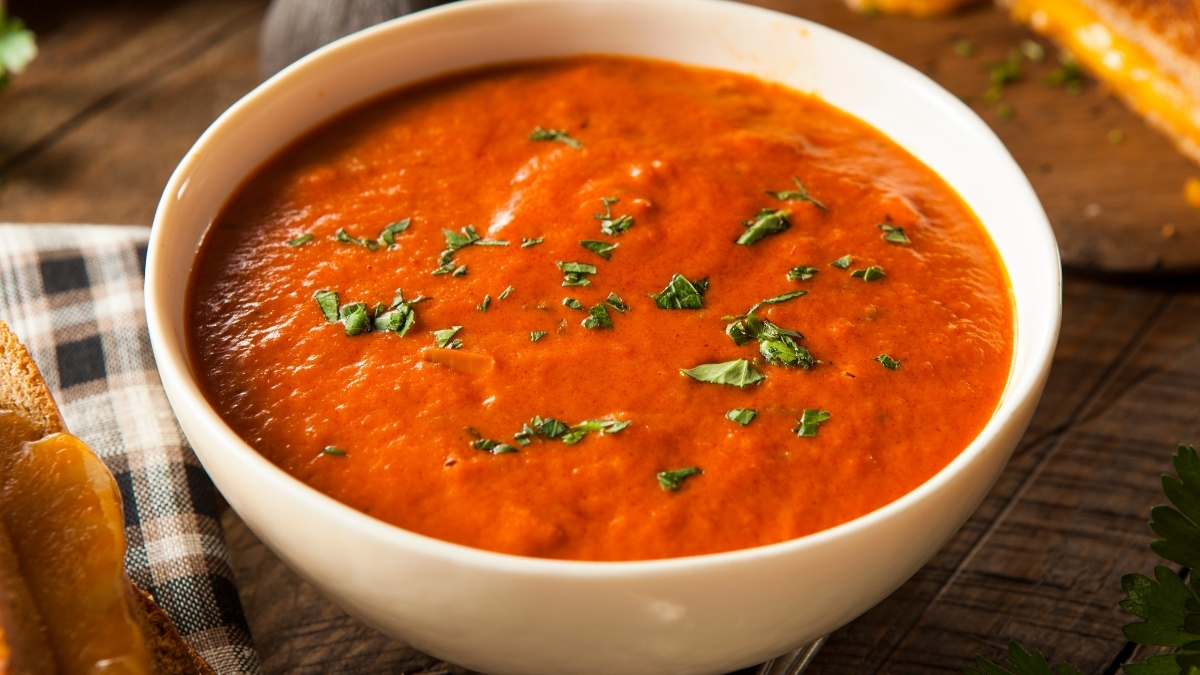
(777, 345)
(799, 194)
(681, 294)
(398, 317)
(766, 223)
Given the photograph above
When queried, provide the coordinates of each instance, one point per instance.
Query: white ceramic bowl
(506, 614)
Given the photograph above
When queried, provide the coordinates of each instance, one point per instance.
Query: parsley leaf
(1177, 526)
(388, 235)
(355, 318)
(540, 134)
(526, 243)
(888, 362)
(1022, 663)
(892, 234)
(777, 345)
(616, 303)
(487, 302)
(610, 225)
(572, 303)
(494, 447)
(536, 335)
(600, 248)
(301, 240)
(767, 222)
(574, 273)
(799, 194)
(333, 450)
(673, 480)
(792, 295)
(442, 338)
(842, 263)
(460, 271)
(328, 302)
(807, 425)
(1164, 604)
(345, 238)
(871, 273)
(735, 373)
(578, 431)
(801, 273)
(742, 416)
(598, 318)
(17, 47)
(681, 294)
(455, 241)
(505, 293)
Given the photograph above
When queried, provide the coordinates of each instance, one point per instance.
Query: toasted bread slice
(1146, 51)
(919, 8)
(28, 413)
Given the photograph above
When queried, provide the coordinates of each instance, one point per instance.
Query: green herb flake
(598, 318)
(494, 447)
(483, 306)
(328, 302)
(460, 271)
(742, 416)
(333, 450)
(888, 362)
(842, 263)
(681, 294)
(807, 425)
(442, 338)
(355, 318)
(301, 240)
(507, 292)
(872, 273)
(799, 194)
(456, 241)
(572, 303)
(579, 431)
(616, 303)
(673, 480)
(344, 237)
(784, 297)
(766, 223)
(801, 273)
(737, 373)
(536, 335)
(777, 345)
(526, 243)
(540, 134)
(600, 248)
(610, 225)
(892, 234)
(574, 273)
(388, 235)
(389, 321)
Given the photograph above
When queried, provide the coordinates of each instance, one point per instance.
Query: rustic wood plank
(110, 164)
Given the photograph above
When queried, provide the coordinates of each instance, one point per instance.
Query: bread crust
(22, 389)
(1169, 30)
(918, 8)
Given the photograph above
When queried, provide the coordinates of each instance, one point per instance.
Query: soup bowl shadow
(506, 614)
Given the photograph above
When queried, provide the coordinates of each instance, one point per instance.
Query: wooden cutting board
(1115, 207)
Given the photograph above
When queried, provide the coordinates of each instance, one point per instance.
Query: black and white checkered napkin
(73, 295)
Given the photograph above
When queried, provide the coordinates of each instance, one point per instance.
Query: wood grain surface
(91, 132)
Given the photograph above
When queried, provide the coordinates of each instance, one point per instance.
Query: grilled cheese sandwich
(918, 8)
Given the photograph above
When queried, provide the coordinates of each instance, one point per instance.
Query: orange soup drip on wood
(604, 176)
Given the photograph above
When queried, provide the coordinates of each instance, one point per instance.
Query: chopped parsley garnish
(456, 241)
(807, 424)
(582, 429)
(505, 293)
(767, 222)
(301, 240)
(888, 362)
(799, 194)
(550, 428)
(600, 248)
(869, 273)
(801, 273)
(842, 263)
(345, 238)
(610, 225)
(735, 373)
(791, 295)
(487, 302)
(742, 416)
(328, 302)
(616, 303)
(572, 303)
(574, 273)
(460, 271)
(388, 235)
(681, 294)
(598, 318)
(893, 234)
(536, 335)
(442, 338)
(777, 345)
(494, 447)
(540, 134)
(333, 450)
(673, 480)
(355, 318)
(526, 243)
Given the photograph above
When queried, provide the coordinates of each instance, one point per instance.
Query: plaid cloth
(73, 295)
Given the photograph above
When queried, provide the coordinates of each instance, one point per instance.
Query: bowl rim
(175, 371)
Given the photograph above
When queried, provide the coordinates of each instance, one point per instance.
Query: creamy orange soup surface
(598, 226)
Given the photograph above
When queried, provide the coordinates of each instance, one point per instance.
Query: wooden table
(91, 132)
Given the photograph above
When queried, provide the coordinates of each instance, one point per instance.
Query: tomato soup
(601, 309)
